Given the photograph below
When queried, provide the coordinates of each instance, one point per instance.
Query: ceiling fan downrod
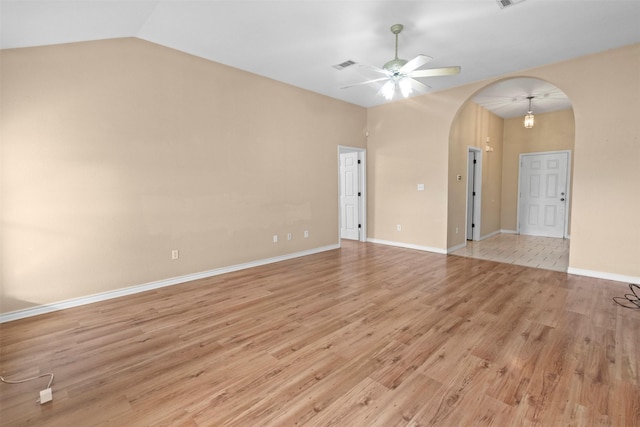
(397, 29)
(395, 64)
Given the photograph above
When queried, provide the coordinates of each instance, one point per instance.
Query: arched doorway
(491, 123)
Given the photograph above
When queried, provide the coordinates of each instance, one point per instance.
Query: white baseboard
(604, 275)
(495, 233)
(516, 232)
(455, 248)
(75, 302)
(408, 246)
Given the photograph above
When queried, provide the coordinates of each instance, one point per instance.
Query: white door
(543, 194)
(349, 196)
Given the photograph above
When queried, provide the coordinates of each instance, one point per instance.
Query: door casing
(474, 203)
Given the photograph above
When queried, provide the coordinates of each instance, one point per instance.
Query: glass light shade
(528, 120)
(405, 87)
(388, 90)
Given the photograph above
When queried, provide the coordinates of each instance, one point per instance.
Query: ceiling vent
(507, 3)
(344, 65)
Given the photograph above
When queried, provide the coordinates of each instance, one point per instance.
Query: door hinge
(473, 225)
(359, 194)
(359, 225)
(358, 161)
(474, 193)
(475, 161)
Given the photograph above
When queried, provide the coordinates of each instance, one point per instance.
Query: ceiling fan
(401, 74)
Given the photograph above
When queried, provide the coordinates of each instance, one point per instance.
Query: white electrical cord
(45, 395)
(29, 379)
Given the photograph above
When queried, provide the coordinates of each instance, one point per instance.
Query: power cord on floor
(631, 300)
(46, 395)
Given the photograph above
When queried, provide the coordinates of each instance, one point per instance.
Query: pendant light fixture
(528, 118)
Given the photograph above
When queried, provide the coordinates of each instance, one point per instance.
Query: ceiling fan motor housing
(394, 65)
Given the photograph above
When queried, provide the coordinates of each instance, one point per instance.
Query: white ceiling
(508, 98)
(299, 41)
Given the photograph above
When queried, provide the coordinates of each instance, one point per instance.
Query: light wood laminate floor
(367, 335)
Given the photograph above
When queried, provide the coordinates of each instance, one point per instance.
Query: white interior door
(543, 194)
(349, 196)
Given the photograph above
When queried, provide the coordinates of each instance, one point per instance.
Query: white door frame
(568, 190)
(477, 206)
(362, 205)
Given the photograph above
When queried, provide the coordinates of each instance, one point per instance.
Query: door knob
(562, 200)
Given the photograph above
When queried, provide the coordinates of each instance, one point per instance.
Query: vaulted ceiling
(299, 42)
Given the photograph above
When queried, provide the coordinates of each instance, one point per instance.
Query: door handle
(562, 200)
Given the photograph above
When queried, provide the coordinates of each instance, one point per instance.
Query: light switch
(420, 187)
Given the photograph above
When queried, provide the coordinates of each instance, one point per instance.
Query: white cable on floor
(29, 379)
(46, 395)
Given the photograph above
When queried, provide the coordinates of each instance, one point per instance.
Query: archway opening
(491, 122)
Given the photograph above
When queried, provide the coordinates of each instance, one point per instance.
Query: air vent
(507, 3)
(344, 65)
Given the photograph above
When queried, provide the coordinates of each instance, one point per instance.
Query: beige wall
(407, 146)
(552, 132)
(492, 128)
(116, 152)
(471, 127)
(605, 231)
(410, 141)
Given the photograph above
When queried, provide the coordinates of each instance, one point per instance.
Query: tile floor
(533, 251)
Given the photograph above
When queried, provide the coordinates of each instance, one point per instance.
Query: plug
(46, 395)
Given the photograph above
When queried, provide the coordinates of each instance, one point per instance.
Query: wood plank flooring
(366, 335)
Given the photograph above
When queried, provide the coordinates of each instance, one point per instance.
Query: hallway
(547, 253)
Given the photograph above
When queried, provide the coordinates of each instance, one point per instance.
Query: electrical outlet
(289, 236)
(175, 254)
(306, 234)
(275, 238)
(399, 227)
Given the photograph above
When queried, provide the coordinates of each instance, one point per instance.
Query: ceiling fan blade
(365, 83)
(419, 86)
(362, 67)
(434, 72)
(415, 63)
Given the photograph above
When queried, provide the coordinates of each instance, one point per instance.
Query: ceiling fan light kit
(400, 74)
